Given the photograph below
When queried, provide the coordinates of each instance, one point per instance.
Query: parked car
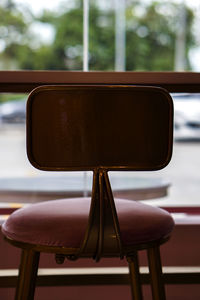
(186, 117)
(13, 111)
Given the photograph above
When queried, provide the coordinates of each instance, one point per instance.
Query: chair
(99, 129)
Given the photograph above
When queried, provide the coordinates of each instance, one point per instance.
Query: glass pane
(17, 174)
(19, 181)
(123, 35)
(49, 35)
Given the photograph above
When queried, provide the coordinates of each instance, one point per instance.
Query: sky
(38, 5)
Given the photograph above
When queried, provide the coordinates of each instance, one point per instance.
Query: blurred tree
(13, 34)
(101, 39)
(150, 37)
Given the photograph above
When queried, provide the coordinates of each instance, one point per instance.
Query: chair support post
(103, 221)
(27, 275)
(156, 276)
(134, 272)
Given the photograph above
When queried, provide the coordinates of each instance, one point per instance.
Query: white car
(186, 117)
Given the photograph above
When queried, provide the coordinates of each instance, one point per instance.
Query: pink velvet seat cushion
(63, 222)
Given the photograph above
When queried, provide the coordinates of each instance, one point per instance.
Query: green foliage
(13, 34)
(150, 37)
(67, 46)
(10, 97)
(153, 34)
(153, 40)
(101, 37)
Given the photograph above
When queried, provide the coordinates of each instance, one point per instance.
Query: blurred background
(123, 35)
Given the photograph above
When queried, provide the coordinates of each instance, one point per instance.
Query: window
(130, 35)
(152, 36)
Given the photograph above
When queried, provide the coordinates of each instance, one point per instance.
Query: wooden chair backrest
(90, 127)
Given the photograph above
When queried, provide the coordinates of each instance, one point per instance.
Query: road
(183, 172)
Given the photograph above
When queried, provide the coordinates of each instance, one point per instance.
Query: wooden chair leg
(27, 275)
(155, 269)
(135, 277)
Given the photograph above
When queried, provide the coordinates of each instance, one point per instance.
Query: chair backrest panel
(87, 127)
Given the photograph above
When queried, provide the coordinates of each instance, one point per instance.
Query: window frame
(25, 81)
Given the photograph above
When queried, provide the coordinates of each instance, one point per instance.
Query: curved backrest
(89, 127)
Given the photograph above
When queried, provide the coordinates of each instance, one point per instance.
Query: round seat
(62, 223)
